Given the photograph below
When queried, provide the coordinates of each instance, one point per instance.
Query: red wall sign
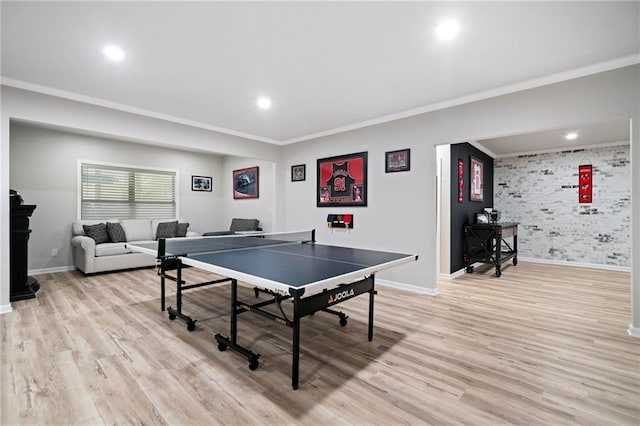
(460, 181)
(585, 184)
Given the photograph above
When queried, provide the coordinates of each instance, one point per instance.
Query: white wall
(395, 217)
(44, 169)
(4, 210)
(540, 192)
(261, 208)
(443, 159)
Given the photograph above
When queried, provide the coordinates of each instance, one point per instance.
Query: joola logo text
(339, 296)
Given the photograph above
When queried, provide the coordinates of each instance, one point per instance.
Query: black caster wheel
(257, 293)
(253, 364)
(343, 322)
(469, 269)
(498, 273)
(191, 326)
(172, 316)
(222, 347)
(515, 262)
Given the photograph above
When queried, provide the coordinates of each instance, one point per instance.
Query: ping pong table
(284, 266)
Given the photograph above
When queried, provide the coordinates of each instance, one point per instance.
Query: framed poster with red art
(397, 161)
(476, 187)
(342, 181)
(585, 184)
(460, 181)
(246, 183)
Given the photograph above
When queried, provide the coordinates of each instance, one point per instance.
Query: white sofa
(91, 257)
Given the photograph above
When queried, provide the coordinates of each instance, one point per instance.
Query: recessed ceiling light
(571, 136)
(447, 29)
(264, 103)
(113, 52)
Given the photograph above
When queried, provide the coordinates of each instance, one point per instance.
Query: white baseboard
(452, 276)
(51, 270)
(633, 332)
(407, 287)
(544, 261)
(578, 264)
(5, 309)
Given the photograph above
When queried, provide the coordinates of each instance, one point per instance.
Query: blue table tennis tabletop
(297, 265)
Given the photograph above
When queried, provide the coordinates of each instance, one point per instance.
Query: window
(108, 191)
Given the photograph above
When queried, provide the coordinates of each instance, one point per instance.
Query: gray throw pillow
(181, 229)
(116, 233)
(166, 230)
(98, 232)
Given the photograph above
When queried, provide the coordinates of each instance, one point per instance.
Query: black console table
(486, 243)
(22, 285)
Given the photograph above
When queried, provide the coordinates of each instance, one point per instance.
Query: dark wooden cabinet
(487, 243)
(22, 285)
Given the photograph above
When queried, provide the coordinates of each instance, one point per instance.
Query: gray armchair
(238, 225)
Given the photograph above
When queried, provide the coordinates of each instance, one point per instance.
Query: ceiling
(600, 133)
(327, 66)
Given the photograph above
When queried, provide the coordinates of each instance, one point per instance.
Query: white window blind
(126, 193)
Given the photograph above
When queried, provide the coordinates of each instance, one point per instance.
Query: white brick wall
(540, 191)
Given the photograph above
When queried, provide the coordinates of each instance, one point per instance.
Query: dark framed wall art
(476, 187)
(246, 183)
(342, 180)
(298, 173)
(397, 161)
(201, 183)
(460, 181)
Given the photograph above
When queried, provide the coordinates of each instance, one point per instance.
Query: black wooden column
(22, 285)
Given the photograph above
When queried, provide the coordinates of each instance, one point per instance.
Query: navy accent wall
(462, 213)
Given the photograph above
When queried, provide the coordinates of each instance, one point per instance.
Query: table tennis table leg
(179, 286)
(162, 302)
(295, 363)
(371, 294)
(177, 312)
(232, 341)
(234, 312)
(161, 271)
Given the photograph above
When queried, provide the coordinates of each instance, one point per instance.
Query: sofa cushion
(116, 233)
(181, 229)
(98, 232)
(77, 226)
(137, 229)
(111, 249)
(166, 230)
(239, 225)
(156, 222)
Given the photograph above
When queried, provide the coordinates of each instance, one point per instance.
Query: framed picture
(342, 181)
(397, 161)
(460, 181)
(201, 183)
(476, 187)
(298, 173)
(246, 183)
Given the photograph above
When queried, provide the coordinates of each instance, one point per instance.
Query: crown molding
(504, 90)
(18, 84)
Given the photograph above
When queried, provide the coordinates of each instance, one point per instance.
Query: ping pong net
(236, 242)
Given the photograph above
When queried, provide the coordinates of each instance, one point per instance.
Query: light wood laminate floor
(542, 344)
